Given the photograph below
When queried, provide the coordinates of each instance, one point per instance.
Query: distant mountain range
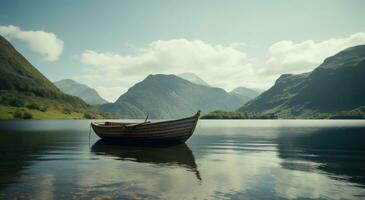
(89, 95)
(26, 93)
(193, 78)
(246, 92)
(335, 89)
(169, 96)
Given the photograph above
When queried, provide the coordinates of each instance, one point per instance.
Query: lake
(227, 159)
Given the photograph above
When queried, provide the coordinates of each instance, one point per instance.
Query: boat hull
(175, 131)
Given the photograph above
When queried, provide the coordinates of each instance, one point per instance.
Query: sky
(112, 45)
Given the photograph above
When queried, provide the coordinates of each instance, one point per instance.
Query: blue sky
(110, 45)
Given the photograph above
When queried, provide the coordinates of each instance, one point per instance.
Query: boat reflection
(177, 155)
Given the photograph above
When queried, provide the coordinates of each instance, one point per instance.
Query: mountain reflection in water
(339, 152)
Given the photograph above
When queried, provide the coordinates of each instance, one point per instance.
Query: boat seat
(137, 124)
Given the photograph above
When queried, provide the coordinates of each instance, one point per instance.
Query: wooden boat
(174, 131)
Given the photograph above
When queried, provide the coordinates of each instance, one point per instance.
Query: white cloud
(213, 63)
(44, 43)
(290, 57)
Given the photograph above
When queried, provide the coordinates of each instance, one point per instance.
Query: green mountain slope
(89, 95)
(169, 96)
(26, 93)
(122, 110)
(19, 75)
(335, 88)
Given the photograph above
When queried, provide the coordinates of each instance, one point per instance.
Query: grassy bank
(29, 106)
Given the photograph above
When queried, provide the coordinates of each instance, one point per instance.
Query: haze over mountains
(89, 95)
(335, 89)
(26, 93)
(193, 78)
(246, 92)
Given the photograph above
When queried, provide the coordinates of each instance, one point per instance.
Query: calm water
(251, 159)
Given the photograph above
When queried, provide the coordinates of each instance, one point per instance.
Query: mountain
(169, 96)
(89, 95)
(335, 89)
(246, 92)
(122, 110)
(26, 93)
(193, 78)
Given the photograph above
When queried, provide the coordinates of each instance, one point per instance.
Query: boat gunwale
(122, 125)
